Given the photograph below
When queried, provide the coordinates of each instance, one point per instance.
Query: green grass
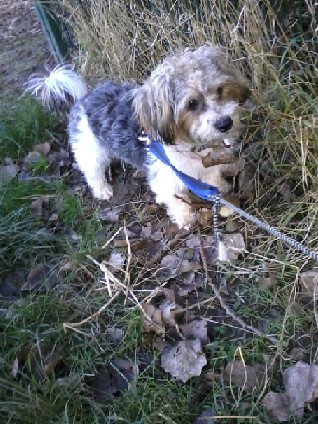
(22, 126)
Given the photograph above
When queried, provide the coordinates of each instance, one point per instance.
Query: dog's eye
(219, 92)
(193, 104)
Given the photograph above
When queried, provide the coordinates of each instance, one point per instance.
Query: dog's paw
(184, 221)
(103, 193)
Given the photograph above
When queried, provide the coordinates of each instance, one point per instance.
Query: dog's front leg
(170, 191)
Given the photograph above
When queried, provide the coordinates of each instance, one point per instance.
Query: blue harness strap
(199, 188)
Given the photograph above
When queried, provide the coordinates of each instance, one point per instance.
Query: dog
(190, 102)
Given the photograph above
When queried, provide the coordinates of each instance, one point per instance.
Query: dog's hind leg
(91, 158)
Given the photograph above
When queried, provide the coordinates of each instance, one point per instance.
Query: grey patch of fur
(110, 115)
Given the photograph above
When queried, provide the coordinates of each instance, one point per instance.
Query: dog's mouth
(227, 144)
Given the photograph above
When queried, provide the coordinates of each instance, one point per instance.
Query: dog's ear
(154, 107)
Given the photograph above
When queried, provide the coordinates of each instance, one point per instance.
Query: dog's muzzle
(223, 124)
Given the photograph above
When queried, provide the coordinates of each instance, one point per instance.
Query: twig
(127, 275)
(230, 313)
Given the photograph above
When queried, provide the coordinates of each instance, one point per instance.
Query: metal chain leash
(217, 201)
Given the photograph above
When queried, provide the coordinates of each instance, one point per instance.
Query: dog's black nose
(223, 124)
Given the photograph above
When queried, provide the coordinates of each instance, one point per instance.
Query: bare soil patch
(23, 47)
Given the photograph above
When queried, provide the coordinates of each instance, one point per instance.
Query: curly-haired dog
(191, 100)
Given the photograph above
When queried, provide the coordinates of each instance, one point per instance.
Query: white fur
(55, 87)
(170, 190)
(91, 159)
(204, 129)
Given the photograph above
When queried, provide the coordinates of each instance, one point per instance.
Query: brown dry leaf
(232, 245)
(233, 226)
(31, 159)
(7, 173)
(309, 281)
(36, 207)
(301, 384)
(73, 380)
(43, 148)
(174, 265)
(226, 212)
(269, 278)
(286, 192)
(110, 214)
(39, 278)
(277, 406)
(196, 329)
(245, 376)
(297, 353)
(301, 387)
(39, 360)
(115, 334)
(152, 319)
(184, 360)
(68, 266)
(116, 261)
(114, 379)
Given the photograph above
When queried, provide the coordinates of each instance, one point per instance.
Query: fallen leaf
(113, 380)
(244, 376)
(39, 360)
(110, 214)
(7, 173)
(116, 261)
(206, 417)
(73, 380)
(233, 226)
(301, 384)
(196, 329)
(152, 319)
(232, 246)
(265, 283)
(184, 360)
(54, 217)
(226, 212)
(277, 406)
(297, 353)
(68, 266)
(31, 159)
(39, 279)
(309, 281)
(115, 334)
(286, 192)
(36, 207)
(43, 148)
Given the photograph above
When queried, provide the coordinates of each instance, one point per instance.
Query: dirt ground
(23, 48)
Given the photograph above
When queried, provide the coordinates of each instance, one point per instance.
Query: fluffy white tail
(61, 87)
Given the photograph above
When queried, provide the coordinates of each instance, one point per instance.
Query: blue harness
(197, 187)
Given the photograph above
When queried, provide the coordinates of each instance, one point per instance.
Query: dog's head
(193, 97)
